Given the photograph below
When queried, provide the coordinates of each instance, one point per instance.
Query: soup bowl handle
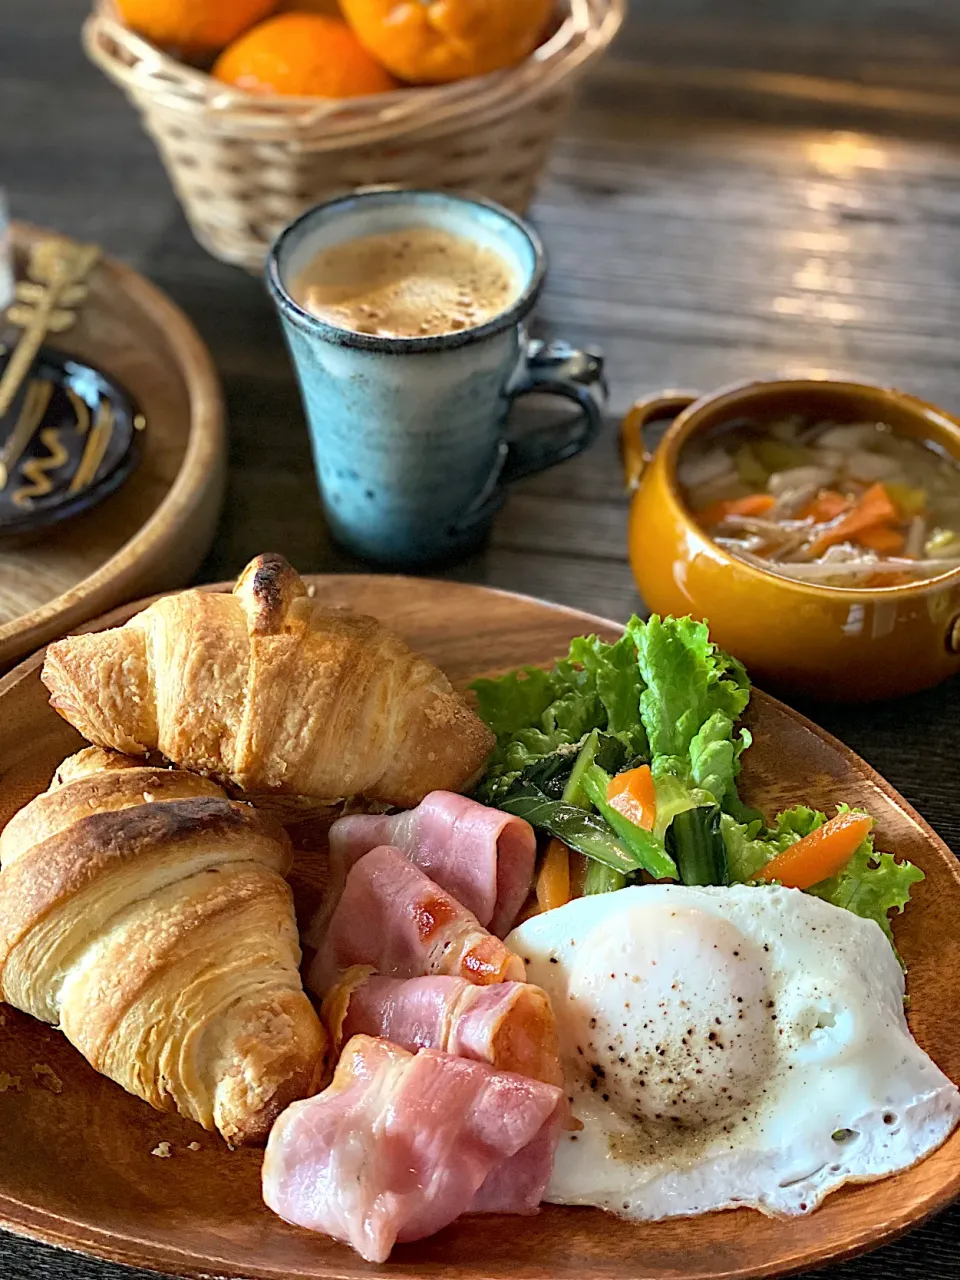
(661, 407)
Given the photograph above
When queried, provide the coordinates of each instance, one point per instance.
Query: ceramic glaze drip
(413, 282)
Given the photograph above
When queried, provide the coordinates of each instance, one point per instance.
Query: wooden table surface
(743, 190)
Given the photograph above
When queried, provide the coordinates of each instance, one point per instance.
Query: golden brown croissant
(273, 692)
(148, 916)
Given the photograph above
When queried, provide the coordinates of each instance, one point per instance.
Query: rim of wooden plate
(47, 1228)
(199, 483)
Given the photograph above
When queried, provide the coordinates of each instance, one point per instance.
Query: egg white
(729, 1046)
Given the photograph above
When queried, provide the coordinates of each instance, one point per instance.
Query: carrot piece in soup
(882, 539)
(633, 794)
(827, 505)
(874, 507)
(754, 504)
(553, 882)
(819, 855)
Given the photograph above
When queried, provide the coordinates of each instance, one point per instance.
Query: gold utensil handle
(23, 357)
(58, 269)
(35, 404)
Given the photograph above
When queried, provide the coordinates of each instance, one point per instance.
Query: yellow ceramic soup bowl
(828, 642)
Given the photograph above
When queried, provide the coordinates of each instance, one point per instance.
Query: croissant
(148, 917)
(272, 692)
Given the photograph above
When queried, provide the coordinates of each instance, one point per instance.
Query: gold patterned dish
(70, 439)
(93, 351)
(68, 436)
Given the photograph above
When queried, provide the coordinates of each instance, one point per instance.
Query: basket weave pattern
(244, 167)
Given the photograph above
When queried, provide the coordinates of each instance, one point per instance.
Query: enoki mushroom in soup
(843, 505)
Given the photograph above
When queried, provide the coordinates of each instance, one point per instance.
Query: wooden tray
(154, 532)
(76, 1168)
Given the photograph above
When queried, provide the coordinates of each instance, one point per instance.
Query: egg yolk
(671, 1018)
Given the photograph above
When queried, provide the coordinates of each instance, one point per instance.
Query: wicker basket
(244, 167)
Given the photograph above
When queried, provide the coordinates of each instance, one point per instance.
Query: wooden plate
(154, 532)
(76, 1168)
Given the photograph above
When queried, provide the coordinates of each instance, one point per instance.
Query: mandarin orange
(435, 41)
(329, 7)
(302, 55)
(195, 28)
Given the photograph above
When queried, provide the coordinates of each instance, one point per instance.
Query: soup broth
(845, 505)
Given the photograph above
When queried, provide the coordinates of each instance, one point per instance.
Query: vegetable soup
(851, 505)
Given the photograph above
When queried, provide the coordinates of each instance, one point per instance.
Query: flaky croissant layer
(272, 692)
(148, 917)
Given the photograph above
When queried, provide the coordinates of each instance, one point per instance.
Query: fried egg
(729, 1046)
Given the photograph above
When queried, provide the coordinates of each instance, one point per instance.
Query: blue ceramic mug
(409, 434)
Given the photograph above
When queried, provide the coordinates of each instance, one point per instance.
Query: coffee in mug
(414, 282)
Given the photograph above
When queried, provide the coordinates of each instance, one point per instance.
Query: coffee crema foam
(416, 282)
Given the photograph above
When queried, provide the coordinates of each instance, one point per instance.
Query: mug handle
(633, 448)
(557, 369)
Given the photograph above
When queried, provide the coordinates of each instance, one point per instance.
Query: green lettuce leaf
(516, 701)
(793, 824)
(693, 694)
(674, 796)
(616, 676)
(687, 679)
(536, 713)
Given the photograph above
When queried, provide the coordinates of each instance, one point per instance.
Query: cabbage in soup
(852, 505)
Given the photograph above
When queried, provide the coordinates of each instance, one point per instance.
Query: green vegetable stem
(695, 840)
(648, 850)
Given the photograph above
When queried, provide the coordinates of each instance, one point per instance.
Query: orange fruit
(435, 41)
(302, 55)
(194, 27)
(330, 7)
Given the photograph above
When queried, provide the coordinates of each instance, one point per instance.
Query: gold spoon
(46, 303)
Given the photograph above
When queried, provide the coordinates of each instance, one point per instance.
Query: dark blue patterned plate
(72, 437)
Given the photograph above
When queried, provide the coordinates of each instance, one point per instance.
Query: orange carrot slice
(553, 882)
(634, 795)
(579, 866)
(882, 539)
(827, 505)
(819, 855)
(754, 504)
(874, 507)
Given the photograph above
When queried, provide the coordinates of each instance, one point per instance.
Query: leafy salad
(628, 754)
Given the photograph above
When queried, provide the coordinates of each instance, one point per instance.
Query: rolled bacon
(510, 1026)
(400, 1145)
(483, 857)
(394, 919)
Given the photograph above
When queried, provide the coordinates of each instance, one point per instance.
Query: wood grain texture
(112, 1197)
(681, 204)
(155, 530)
